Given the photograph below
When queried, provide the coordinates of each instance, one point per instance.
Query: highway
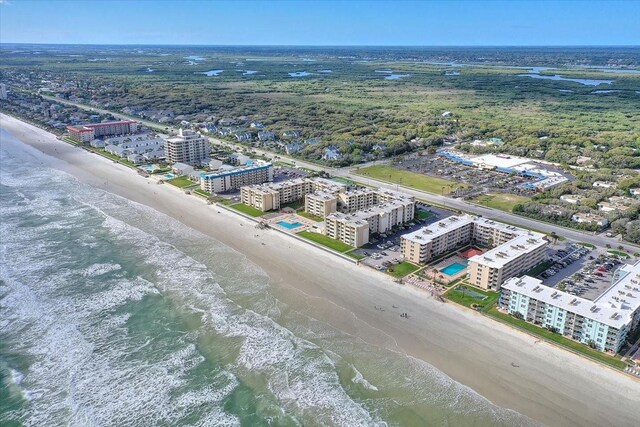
(347, 172)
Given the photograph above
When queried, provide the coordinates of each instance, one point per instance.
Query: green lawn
(402, 269)
(201, 192)
(323, 240)
(355, 256)
(294, 205)
(420, 214)
(557, 338)
(587, 245)
(410, 179)
(502, 201)
(310, 216)
(251, 211)
(463, 295)
(181, 182)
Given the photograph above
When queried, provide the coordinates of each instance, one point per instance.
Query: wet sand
(549, 385)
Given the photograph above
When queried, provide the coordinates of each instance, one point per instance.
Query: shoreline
(552, 386)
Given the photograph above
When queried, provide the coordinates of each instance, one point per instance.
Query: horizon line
(327, 45)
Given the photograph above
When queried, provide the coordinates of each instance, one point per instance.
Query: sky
(369, 23)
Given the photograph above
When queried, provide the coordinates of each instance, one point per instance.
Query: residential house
(266, 136)
(331, 154)
(589, 218)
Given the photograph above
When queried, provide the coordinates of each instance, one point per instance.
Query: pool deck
(443, 277)
(307, 224)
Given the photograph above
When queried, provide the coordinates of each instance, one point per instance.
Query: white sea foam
(358, 378)
(100, 269)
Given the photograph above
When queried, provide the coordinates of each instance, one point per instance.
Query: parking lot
(478, 180)
(567, 260)
(385, 251)
(592, 280)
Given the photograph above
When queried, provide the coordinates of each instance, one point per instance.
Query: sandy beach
(549, 385)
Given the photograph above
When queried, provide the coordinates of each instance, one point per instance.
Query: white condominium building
(221, 181)
(320, 203)
(355, 228)
(515, 250)
(272, 196)
(187, 147)
(603, 323)
(517, 256)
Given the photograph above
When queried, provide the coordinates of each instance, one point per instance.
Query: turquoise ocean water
(112, 314)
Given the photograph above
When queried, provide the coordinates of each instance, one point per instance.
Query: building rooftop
(431, 231)
(501, 255)
(240, 169)
(615, 307)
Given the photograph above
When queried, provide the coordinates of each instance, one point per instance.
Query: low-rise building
(603, 323)
(515, 249)
(320, 203)
(355, 228)
(604, 184)
(491, 269)
(574, 199)
(272, 196)
(233, 179)
(589, 218)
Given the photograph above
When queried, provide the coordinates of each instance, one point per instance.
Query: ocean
(112, 314)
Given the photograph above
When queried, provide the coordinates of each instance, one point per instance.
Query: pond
(586, 82)
(211, 73)
(299, 74)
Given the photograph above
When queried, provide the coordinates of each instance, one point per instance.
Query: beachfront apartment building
(233, 179)
(355, 228)
(515, 250)
(88, 132)
(519, 255)
(320, 203)
(272, 196)
(187, 146)
(603, 323)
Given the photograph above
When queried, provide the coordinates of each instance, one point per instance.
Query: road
(347, 172)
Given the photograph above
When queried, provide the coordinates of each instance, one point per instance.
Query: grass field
(202, 192)
(502, 201)
(557, 338)
(402, 269)
(410, 179)
(251, 211)
(464, 295)
(323, 240)
(312, 217)
(420, 214)
(181, 182)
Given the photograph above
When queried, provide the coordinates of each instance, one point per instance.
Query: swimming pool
(168, 175)
(149, 168)
(289, 225)
(453, 269)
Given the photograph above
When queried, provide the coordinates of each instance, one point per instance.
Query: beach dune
(507, 367)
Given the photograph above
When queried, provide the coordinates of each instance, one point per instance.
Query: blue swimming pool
(149, 168)
(168, 175)
(453, 269)
(289, 225)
